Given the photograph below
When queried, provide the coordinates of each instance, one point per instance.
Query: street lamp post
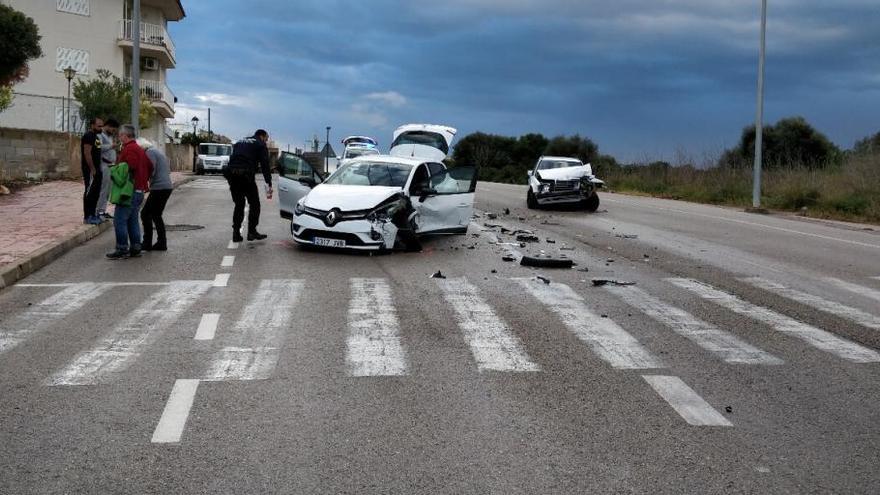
(69, 74)
(759, 118)
(327, 152)
(195, 122)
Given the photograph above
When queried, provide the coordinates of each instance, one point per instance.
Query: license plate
(322, 241)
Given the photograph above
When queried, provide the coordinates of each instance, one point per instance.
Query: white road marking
(233, 245)
(492, 343)
(816, 337)
(855, 288)
(41, 315)
(687, 403)
(116, 351)
(846, 312)
(207, 326)
(221, 280)
(876, 278)
(724, 345)
(102, 284)
(606, 338)
(374, 347)
(227, 261)
(251, 352)
(173, 420)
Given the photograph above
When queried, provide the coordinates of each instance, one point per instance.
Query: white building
(89, 35)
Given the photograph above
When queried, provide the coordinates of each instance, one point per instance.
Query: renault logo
(332, 217)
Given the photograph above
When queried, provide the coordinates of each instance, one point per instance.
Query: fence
(28, 154)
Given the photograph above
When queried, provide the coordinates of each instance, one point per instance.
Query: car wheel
(591, 204)
(200, 171)
(531, 200)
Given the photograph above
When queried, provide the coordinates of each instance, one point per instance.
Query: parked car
(563, 180)
(356, 146)
(378, 202)
(425, 141)
(213, 157)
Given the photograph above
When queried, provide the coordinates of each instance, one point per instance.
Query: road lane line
(126, 341)
(252, 350)
(373, 347)
(228, 261)
(816, 337)
(722, 344)
(173, 420)
(233, 245)
(221, 280)
(104, 284)
(837, 309)
(207, 326)
(492, 343)
(607, 339)
(855, 288)
(40, 316)
(687, 403)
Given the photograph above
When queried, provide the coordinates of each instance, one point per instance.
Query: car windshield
(425, 138)
(356, 152)
(371, 174)
(551, 164)
(215, 149)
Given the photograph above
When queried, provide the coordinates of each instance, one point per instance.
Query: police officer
(249, 156)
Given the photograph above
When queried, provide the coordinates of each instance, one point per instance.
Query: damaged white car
(561, 180)
(383, 203)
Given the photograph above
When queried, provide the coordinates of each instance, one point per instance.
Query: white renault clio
(384, 202)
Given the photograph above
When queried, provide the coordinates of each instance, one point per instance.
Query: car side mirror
(424, 193)
(530, 173)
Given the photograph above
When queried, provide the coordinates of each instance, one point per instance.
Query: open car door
(447, 206)
(296, 178)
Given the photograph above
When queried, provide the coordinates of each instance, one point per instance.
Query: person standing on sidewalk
(125, 219)
(108, 158)
(248, 156)
(160, 191)
(90, 152)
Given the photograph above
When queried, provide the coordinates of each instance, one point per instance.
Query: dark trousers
(91, 193)
(152, 214)
(243, 187)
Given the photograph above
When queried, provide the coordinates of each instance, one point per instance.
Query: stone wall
(38, 154)
(180, 156)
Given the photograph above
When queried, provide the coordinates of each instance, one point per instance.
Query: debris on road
(507, 211)
(584, 269)
(508, 257)
(437, 274)
(598, 282)
(627, 236)
(546, 262)
(493, 271)
(550, 241)
(491, 216)
(543, 279)
(527, 238)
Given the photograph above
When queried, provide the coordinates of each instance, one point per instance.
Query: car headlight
(299, 209)
(386, 210)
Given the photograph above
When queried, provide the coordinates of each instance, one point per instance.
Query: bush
(791, 142)
(19, 42)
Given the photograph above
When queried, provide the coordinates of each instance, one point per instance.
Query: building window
(71, 57)
(78, 7)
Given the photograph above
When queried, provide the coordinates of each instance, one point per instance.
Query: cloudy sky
(645, 79)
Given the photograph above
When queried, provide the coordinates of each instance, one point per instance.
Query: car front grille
(565, 186)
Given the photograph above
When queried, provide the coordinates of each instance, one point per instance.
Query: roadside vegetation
(804, 172)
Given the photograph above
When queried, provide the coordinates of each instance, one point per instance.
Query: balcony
(160, 97)
(155, 42)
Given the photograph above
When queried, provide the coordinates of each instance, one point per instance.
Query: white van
(213, 157)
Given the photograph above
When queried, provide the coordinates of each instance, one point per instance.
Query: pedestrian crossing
(377, 345)
(218, 183)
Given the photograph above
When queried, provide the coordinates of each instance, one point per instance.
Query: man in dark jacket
(90, 149)
(249, 156)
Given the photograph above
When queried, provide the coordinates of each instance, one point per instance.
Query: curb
(49, 253)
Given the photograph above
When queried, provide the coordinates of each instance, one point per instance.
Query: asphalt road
(743, 360)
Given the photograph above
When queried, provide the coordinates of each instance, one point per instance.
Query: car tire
(591, 204)
(531, 200)
(200, 171)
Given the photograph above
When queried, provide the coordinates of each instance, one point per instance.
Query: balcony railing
(156, 91)
(151, 34)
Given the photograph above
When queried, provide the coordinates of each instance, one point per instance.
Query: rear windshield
(426, 138)
(371, 174)
(356, 152)
(551, 164)
(215, 149)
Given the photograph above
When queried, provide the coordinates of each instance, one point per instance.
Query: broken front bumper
(361, 234)
(560, 192)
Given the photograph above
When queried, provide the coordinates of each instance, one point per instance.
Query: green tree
(573, 146)
(791, 142)
(19, 43)
(106, 95)
(869, 145)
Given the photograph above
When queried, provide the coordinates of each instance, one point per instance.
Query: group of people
(123, 174)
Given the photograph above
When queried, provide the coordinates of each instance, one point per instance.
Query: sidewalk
(40, 223)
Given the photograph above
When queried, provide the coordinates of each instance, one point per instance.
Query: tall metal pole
(210, 134)
(66, 124)
(327, 152)
(759, 118)
(136, 64)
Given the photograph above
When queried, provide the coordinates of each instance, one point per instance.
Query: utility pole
(136, 64)
(327, 152)
(210, 134)
(759, 118)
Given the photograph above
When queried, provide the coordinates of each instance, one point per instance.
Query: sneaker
(94, 220)
(135, 253)
(117, 255)
(256, 236)
(106, 216)
(236, 236)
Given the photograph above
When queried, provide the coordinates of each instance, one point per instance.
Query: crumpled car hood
(348, 198)
(567, 173)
